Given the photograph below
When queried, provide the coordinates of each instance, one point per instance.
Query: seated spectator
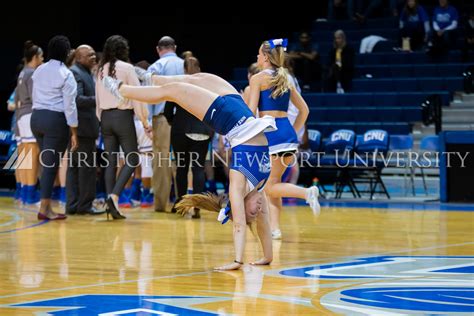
(341, 65)
(414, 24)
(306, 60)
(469, 42)
(445, 24)
(340, 9)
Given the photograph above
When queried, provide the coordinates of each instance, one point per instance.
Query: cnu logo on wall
(420, 285)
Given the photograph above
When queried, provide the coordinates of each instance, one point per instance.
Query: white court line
(375, 254)
(206, 272)
(103, 284)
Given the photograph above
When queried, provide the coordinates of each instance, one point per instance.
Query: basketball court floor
(368, 258)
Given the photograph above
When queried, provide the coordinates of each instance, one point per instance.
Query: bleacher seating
(408, 84)
(368, 99)
(409, 70)
(388, 87)
(354, 35)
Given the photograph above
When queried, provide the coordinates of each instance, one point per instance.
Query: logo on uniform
(264, 166)
(395, 285)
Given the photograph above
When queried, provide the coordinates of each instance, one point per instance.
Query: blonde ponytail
(206, 201)
(209, 202)
(280, 82)
(277, 58)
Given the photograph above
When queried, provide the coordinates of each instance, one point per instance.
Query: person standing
(81, 172)
(33, 58)
(169, 64)
(54, 116)
(118, 127)
(270, 96)
(190, 140)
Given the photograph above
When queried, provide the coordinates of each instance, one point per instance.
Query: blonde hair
(341, 34)
(209, 202)
(276, 57)
(206, 201)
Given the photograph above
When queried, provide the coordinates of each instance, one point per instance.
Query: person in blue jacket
(445, 23)
(414, 24)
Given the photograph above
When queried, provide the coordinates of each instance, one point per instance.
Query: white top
(55, 89)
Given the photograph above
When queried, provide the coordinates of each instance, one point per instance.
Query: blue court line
(25, 227)
(392, 205)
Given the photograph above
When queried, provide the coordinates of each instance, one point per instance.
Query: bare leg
(193, 99)
(237, 192)
(264, 234)
(206, 81)
(295, 174)
(275, 206)
(19, 173)
(31, 175)
(63, 169)
(275, 188)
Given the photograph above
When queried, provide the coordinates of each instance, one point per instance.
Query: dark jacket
(183, 122)
(85, 102)
(346, 72)
(347, 56)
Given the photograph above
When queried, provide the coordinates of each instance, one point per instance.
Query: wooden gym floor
(160, 264)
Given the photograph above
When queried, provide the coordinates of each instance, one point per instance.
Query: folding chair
(338, 150)
(365, 167)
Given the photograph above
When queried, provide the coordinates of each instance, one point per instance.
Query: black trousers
(52, 134)
(188, 153)
(442, 44)
(118, 130)
(416, 36)
(81, 177)
(337, 74)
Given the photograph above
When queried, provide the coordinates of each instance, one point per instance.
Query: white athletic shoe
(312, 199)
(112, 85)
(276, 234)
(144, 76)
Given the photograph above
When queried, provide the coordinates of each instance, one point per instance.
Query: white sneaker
(144, 76)
(312, 199)
(113, 85)
(276, 234)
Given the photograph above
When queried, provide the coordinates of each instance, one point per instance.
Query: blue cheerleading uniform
(284, 139)
(226, 113)
(253, 162)
(229, 115)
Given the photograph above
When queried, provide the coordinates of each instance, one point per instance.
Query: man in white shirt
(169, 64)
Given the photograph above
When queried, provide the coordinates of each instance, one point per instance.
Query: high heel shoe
(112, 210)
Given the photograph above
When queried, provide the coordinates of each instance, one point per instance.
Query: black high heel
(112, 210)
